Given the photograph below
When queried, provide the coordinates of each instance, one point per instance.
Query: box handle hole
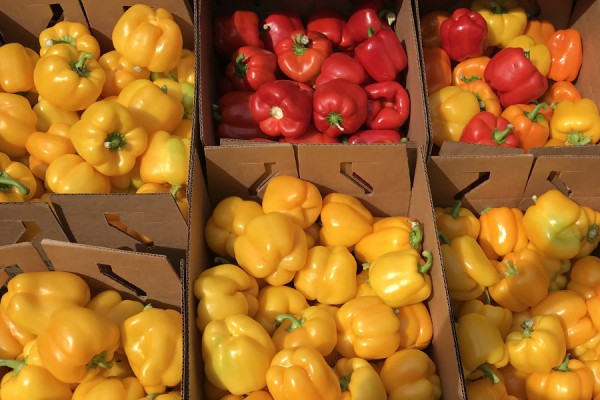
(57, 15)
(346, 171)
(107, 271)
(114, 220)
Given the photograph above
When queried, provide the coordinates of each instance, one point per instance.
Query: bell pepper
(45, 147)
(374, 136)
(555, 268)
(572, 379)
(277, 300)
(126, 389)
(235, 117)
(68, 78)
(162, 113)
(388, 105)
(339, 106)
(566, 51)
(272, 247)
(16, 68)
(472, 258)
(182, 92)
(17, 183)
(230, 32)
(222, 291)
(363, 24)
(561, 90)
(149, 38)
(464, 34)
(501, 231)
(279, 25)
(367, 328)
(590, 223)
(487, 129)
(232, 342)
(410, 373)
(430, 28)
(301, 54)
(251, 67)
(281, 107)
(255, 395)
(47, 114)
(359, 380)
(588, 351)
(77, 343)
(179, 193)
(12, 339)
(311, 135)
(538, 54)
(295, 197)
(331, 24)
(72, 174)
(456, 221)
(529, 124)
(451, 109)
(500, 316)
(514, 77)
(166, 159)
(389, 234)
(73, 33)
(416, 326)
(584, 280)
(539, 30)
(108, 137)
(514, 381)
(110, 304)
(488, 388)
(313, 327)
(341, 65)
(438, 71)
(469, 70)
(382, 56)
(461, 286)
(363, 286)
(505, 19)
(18, 122)
(344, 220)
(488, 100)
(31, 382)
(119, 73)
(329, 275)
(576, 122)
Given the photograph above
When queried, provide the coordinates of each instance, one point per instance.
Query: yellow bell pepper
(179, 193)
(12, 339)
(222, 291)
(31, 382)
(45, 147)
(182, 91)
(16, 68)
(555, 269)
(272, 247)
(277, 300)
(312, 327)
(166, 160)
(185, 71)
(410, 373)
(148, 38)
(590, 222)
(295, 197)
(68, 78)
(227, 222)
(110, 304)
(17, 182)
(237, 352)
(119, 73)
(108, 137)
(537, 53)
(255, 395)
(171, 396)
(329, 275)
(153, 343)
(120, 367)
(572, 379)
(101, 388)
(48, 114)
(588, 351)
(506, 19)
(77, 343)
(585, 280)
(363, 286)
(183, 129)
(72, 174)
(389, 234)
(501, 231)
(367, 328)
(500, 316)
(302, 373)
(18, 122)
(401, 278)
(456, 221)
(153, 108)
(416, 327)
(359, 380)
(67, 32)
(576, 122)
(451, 108)
(344, 220)
(489, 387)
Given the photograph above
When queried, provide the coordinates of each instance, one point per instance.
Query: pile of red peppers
(328, 79)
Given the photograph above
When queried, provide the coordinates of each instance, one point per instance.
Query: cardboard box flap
(22, 21)
(158, 283)
(450, 148)
(585, 20)
(28, 222)
(244, 170)
(359, 170)
(20, 257)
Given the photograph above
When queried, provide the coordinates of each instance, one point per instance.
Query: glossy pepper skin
(540, 30)
(344, 219)
(68, 78)
(235, 117)
(576, 123)
(438, 70)
(17, 183)
(70, 173)
(333, 25)
(119, 73)
(559, 91)
(464, 34)
(362, 24)
(359, 380)
(166, 159)
(295, 197)
(389, 234)
(19, 121)
(149, 38)
(591, 225)
(416, 326)
(224, 290)
(388, 105)
(488, 100)
(470, 69)
(514, 77)
(12, 339)
(382, 56)
(500, 316)
(178, 192)
(73, 33)
(505, 20)
(47, 114)
(539, 54)
(16, 68)
(230, 32)
(566, 52)
(502, 231)
(301, 54)
(110, 304)
(487, 129)
(313, 327)
(451, 109)
(467, 252)
(341, 65)
(529, 124)
(230, 343)
(250, 67)
(572, 379)
(31, 382)
(456, 221)
(410, 373)
(153, 343)
(45, 147)
(279, 25)
(339, 106)
(277, 300)
(430, 28)
(127, 389)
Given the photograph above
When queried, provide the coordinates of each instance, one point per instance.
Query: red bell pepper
(279, 25)
(363, 24)
(341, 65)
(301, 55)
(514, 77)
(251, 67)
(464, 34)
(486, 128)
(382, 56)
(375, 136)
(388, 105)
(282, 107)
(331, 24)
(340, 106)
(230, 32)
(235, 118)
(312, 135)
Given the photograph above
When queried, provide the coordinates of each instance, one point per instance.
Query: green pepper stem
(455, 209)
(592, 234)
(99, 361)
(527, 327)
(295, 322)
(533, 114)
(366, 266)
(497, 8)
(301, 42)
(388, 15)
(335, 119)
(527, 53)
(241, 68)
(578, 139)
(487, 371)
(216, 113)
(344, 382)
(370, 31)
(7, 182)
(68, 39)
(471, 78)
(511, 269)
(486, 297)
(415, 237)
(485, 210)
(15, 365)
(79, 65)
(220, 260)
(564, 365)
(153, 396)
(480, 101)
(428, 261)
(499, 136)
(443, 238)
(174, 190)
(115, 141)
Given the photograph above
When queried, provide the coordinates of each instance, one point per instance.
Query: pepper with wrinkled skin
(388, 105)
(344, 220)
(529, 124)
(410, 373)
(566, 51)
(18, 122)
(451, 109)
(539, 54)
(438, 71)
(295, 197)
(70, 173)
(389, 234)
(301, 54)
(45, 147)
(576, 122)
(110, 304)
(32, 382)
(464, 34)
(488, 100)
(469, 70)
(69, 32)
(313, 327)
(119, 73)
(572, 379)
(166, 159)
(500, 316)
(17, 182)
(456, 221)
(16, 68)
(101, 388)
(277, 300)
(416, 327)
(506, 19)
(359, 380)
(501, 232)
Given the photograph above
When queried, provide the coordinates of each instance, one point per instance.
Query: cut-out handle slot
(346, 171)
(32, 230)
(114, 220)
(483, 176)
(255, 188)
(58, 15)
(107, 271)
(554, 178)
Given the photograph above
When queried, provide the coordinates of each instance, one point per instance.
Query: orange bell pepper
(501, 231)
(469, 70)
(16, 68)
(389, 234)
(438, 70)
(500, 316)
(557, 92)
(430, 28)
(410, 373)
(416, 327)
(529, 124)
(456, 221)
(119, 73)
(539, 30)
(488, 100)
(295, 197)
(344, 220)
(313, 327)
(566, 50)
(514, 380)
(18, 122)
(588, 351)
(359, 380)
(17, 182)
(277, 300)
(45, 147)
(572, 379)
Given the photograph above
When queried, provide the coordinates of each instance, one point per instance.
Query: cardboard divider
(22, 255)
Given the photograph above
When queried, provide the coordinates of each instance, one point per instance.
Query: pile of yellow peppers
(59, 342)
(313, 297)
(73, 120)
(525, 288)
